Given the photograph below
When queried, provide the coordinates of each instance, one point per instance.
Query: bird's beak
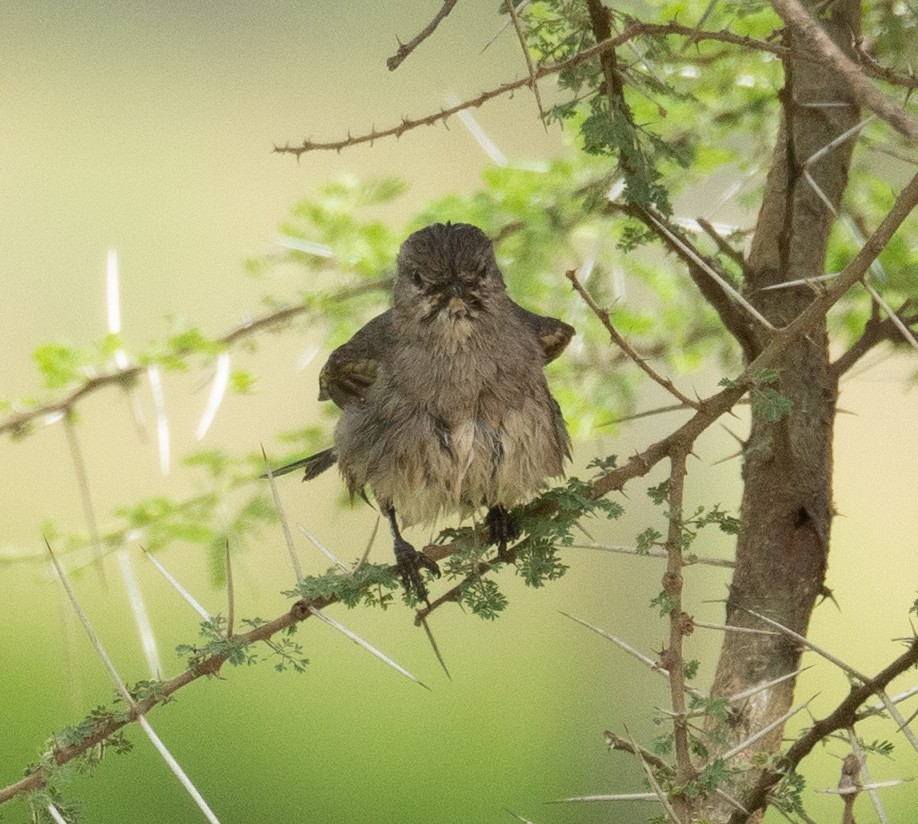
(456, 305)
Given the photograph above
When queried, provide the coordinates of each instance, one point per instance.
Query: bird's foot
(502, 529)
(409, 562)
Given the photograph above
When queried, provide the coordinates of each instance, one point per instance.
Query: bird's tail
(314, 465)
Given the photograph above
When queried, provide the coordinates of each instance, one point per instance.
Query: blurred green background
(148, 128)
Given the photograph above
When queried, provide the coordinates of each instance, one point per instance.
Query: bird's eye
(416, 278)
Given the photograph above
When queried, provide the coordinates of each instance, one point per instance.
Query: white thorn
(217, 393)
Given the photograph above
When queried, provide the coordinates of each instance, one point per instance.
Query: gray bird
(444, 401)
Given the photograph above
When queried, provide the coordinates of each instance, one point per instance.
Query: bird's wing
(352, 368)
(554, 335)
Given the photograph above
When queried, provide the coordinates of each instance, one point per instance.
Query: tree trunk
(787, 497)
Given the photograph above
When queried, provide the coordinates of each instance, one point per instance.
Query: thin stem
(622, 344)
(672, 657)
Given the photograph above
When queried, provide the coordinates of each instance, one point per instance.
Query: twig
(120, 377)
(841, 718)
(634, 30)
(734, 254)
(511, 10)
(404, 49)
(712, 408)
(876, 69)
(679, 622)
(622, 344)
(875, 331)
(616, 742)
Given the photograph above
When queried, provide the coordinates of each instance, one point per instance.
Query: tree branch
(633, 31)
(771, 356)
(875, 331)
(122, 377)
(680, 625)
(881, 72)
(622, 344)
(37, 778)
(841, 718)
(404, 49)
(824, 49)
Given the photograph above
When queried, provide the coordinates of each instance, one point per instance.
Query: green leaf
(648, 539)
(768, 404)
(60, 365)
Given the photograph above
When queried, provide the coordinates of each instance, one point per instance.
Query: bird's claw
(502, 529)
(409, 562)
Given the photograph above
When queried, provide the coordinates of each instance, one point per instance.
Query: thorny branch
(126, 376)
(37, 778)
(677, 443)
(633, 31)
(404, 49)
(821, 47)
(623, 344)
(530, 66)
(770, 357)
(842, 717)
(680, 625)
(876, 69)
(875, 331)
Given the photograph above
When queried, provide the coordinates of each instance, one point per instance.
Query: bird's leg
(409, 560)
(502, 528)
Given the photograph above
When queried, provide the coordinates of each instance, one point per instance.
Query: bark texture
(787, 499)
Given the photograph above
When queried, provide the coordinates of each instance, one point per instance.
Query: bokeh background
(149, 128)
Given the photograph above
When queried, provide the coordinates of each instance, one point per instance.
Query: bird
(444, 403)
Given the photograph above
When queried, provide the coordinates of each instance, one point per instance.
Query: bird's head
(447, 273)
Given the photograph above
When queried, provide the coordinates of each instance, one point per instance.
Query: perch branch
(680, 625)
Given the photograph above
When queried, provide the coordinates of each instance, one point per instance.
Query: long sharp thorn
(285, 524)
(230, 595)
(366, 645)
(436, 649)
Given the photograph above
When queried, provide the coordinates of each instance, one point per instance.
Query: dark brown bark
(787, 498)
